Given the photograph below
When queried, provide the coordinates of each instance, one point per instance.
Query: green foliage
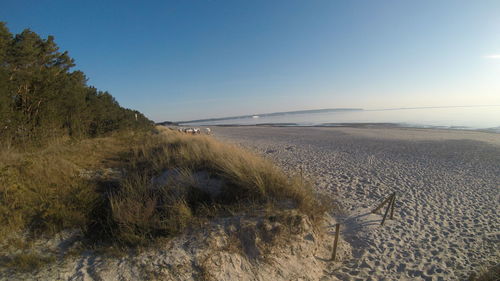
(41, 98)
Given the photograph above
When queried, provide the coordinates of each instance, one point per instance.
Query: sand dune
(446, 221)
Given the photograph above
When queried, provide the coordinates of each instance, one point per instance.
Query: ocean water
(477, 117)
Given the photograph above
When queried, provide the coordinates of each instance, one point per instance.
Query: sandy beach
(446, 222)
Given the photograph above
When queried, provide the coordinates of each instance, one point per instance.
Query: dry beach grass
(130, 189)
(145, 206)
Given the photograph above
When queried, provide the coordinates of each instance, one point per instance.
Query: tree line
(41, 97)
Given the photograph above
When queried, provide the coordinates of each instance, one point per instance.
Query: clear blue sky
(178, 60)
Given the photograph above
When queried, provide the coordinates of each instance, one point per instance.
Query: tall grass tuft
(42, 190)
(143, 207)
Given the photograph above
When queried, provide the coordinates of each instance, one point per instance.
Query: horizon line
(324, 109)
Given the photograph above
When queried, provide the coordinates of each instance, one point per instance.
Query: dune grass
(29, 261)
(487, 274)
(142, 208)
(43, 192)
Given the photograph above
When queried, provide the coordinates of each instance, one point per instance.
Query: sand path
(446, 217)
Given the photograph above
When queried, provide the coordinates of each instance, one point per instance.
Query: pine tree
(41, 97)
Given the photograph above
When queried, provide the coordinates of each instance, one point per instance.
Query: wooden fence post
(392, 205)
(383, 203)
(337, 230)
(388, 207)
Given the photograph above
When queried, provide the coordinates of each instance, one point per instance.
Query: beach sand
(446, 222)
